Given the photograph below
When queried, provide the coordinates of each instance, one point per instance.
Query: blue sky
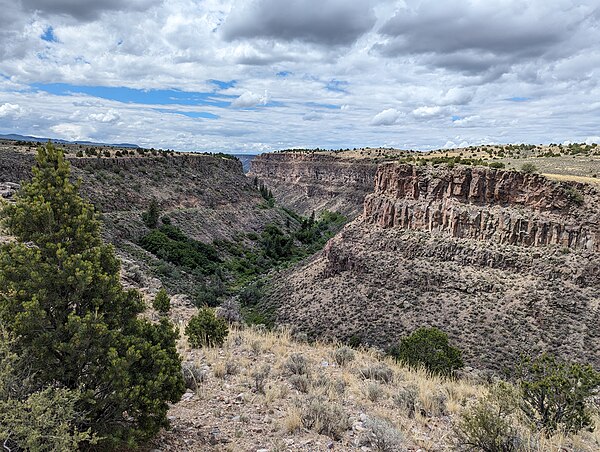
(259, 75)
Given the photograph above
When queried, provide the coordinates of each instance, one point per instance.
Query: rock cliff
(507, 207)
(309, 182)
(506, 263)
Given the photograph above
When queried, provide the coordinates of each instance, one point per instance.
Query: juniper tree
(62, 300)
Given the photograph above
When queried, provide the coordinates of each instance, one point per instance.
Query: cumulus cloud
(429, 112)
(386, 117)
(106, 117)
(328, 22)
(71, 132)
(249, 99)
(9, 110)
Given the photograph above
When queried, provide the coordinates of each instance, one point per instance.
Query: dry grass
(333, 403)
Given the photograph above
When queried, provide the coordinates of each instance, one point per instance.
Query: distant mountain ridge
(17, 137)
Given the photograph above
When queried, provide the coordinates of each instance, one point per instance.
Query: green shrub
(161, 302)
(529, 168)
(206, 330)
(429, 347)
(379, 372)
(556, 394)
(489, 425)
(72, 320)
(324, 417)
(296, 364)
(574, 195)
(497, 165)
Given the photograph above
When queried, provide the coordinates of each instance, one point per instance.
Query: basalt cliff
(504, 262)
(309, 182)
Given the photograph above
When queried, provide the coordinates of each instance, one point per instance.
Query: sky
(248, 76)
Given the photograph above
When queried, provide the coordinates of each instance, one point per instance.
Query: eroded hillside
(504, 262)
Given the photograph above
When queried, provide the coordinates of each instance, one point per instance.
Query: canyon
(505, 262)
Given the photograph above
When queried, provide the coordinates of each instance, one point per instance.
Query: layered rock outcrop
(480, 203)
(309, 182)
(506, 263)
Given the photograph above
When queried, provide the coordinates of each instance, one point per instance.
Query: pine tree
(61, 298)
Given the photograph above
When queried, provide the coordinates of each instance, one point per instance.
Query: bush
(529, 168)
(206, 330)
(230, 311)
(378, 372)
(556, 394)
(429, 347)
(161, 302)
(382, 436)
(72, 320)
(324, 417)
(489, 424)
(406, 399)
(574, 195)
(343, 356)
(497, 165)
(296, 364)
(300, 382)
(193, 375)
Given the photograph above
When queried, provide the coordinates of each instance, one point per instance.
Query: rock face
(483, 204)
(315, 182)
(208, 197)
(505, 263)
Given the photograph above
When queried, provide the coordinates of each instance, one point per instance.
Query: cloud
(429, 112)
(312, 116)
(110, 116)
(85, 10)
(249, 99)
(386, 117)
(10, 111)
(71, 132)
(477, 36)
(327, 22)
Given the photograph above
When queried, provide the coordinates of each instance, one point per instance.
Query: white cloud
(386, 117)
(249, 99)
(429, 112)
(9, 110)
(106, 117)
(495, 72)
(70, 132)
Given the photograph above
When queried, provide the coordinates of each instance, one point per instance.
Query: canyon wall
(508, 207)
(309, 182)
(506, 263)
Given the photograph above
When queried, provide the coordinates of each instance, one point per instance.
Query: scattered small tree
(206, 330)
(150, 217)
(556, 394)
(162, 302)
(429, 347)
(529, 168)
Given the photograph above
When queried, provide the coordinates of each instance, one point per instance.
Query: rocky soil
(261, 391)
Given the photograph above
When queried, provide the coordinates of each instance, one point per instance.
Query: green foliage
(206, 330)
(489, 425)
(162, 302)
(529, 168)
(556, 394)
(574, 195)
(170, 244)
(497, 165)
(429, 347)
(150, 216)
(73, 322)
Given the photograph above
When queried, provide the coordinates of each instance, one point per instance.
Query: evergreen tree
(162, 302)
(150, 217)
(62, 300)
